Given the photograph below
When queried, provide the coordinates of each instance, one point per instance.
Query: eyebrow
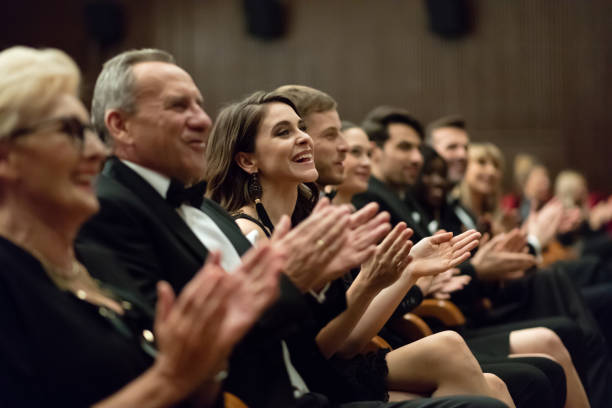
(281, 123)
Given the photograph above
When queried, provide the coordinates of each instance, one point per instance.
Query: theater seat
(232, 401)
(412, 327)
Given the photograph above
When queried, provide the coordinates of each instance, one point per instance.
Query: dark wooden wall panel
(533, 75)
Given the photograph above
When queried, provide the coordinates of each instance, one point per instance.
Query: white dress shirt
(211, 236)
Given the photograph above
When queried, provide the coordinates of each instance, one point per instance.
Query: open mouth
(304, 157)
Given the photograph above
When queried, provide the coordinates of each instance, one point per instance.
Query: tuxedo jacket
(152, 242)
(397, 208)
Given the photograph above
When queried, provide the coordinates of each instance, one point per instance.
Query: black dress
(57, 350)
(360, 378)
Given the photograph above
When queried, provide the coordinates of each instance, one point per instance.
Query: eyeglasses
(69, 125)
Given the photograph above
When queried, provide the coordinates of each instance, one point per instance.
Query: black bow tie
(177, 194)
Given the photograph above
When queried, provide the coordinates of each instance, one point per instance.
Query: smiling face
(169, 129)
(357, 165)
(399, 160)
(52, 170)
(483, 173)
(283, 150)
(434, 182)
(329, 146)
(452, 144)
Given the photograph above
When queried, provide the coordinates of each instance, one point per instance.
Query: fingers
(516, 261)
(282, 228)
(463, 235)
(371, 232)
(391, 238)
(486, 237)
(441, 238)
(165, 300)
(459, 259)
(321, 204)
(467, 238)
(363, 215)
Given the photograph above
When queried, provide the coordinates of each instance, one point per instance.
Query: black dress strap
(253, 220)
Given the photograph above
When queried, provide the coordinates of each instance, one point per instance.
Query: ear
(117, 126)
(246, 161)
(6, 170)
(377, 153)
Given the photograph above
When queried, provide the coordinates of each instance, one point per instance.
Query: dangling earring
(255, 191)
(254, 187)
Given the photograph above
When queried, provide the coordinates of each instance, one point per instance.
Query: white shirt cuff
(321, 295)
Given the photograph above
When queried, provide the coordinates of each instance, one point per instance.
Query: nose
(343, 146)
(94, 148)
(416, 157)
(199, 120)
(303, 138)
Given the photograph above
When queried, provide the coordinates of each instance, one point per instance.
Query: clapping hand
(441, 252)
(389, 260)
(197, 331)
(330, 242)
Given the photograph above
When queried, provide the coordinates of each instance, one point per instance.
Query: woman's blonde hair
(30, 82)
(569, 187)
(476, 152)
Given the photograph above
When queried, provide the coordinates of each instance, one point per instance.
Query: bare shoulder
(250, 229)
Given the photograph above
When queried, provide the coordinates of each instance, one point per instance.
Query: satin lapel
(156, 204)
(227, 225)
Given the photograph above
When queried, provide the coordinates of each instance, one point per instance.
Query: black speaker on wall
(449, 18)
(105, 21)
(265, 19)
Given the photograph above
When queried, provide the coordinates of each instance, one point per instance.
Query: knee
(496, 384)
(452, 352)
(451, 340)
(552, 345)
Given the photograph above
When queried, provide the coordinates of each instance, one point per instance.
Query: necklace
(78, 281)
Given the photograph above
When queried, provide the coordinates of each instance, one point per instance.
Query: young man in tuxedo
(150, 112)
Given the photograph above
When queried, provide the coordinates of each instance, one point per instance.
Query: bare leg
(441, 365)
(544, 342)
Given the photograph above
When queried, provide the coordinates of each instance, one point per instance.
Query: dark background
(530, 75)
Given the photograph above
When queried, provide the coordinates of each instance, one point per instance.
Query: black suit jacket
(152, 242)
(389, 201)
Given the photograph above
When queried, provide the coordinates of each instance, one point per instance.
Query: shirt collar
(157, 180)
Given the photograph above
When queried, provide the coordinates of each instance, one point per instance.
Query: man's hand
(441, 252)
(196, 332)
(492, 263)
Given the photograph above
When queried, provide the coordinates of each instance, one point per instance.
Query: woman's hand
(441, 252)
(440, 286)
(329, 242)
(389, 260)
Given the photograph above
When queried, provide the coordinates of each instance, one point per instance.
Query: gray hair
(115, 85)
(30, 82)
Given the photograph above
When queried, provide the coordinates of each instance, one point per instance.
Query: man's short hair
(115, 85)
(378, 120)
(307, 100)
(454, 121)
